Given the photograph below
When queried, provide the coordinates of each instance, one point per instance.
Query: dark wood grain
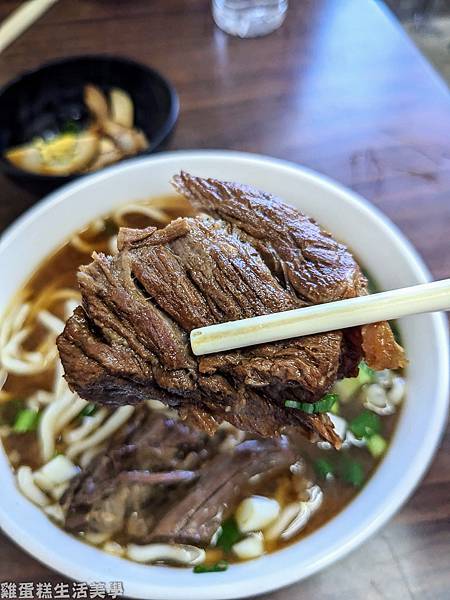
(338, 88)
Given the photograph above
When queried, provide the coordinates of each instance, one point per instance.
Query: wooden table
(338, 88)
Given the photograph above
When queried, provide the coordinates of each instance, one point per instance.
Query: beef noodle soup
(138, 482)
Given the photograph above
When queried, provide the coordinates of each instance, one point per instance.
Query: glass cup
(249, 18)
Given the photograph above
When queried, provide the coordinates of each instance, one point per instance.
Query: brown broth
(59, 270)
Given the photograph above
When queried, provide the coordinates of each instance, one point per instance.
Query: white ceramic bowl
(380, 247)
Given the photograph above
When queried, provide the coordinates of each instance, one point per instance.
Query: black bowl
(44, 100)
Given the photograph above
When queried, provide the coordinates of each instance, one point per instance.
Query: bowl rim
(163, 132)
(265, 581)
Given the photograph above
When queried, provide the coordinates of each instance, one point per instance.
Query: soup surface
(60, 446)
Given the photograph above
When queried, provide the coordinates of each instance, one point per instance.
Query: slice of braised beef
(222, 483)
(161, 480)
(105, 496)
(253, 255)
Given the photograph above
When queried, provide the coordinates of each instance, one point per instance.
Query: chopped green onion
(352, 472)
(26, 420)
(323, 468)
(365, 374)
(229, 535)
(335, 409)
(365, 424)
(321, 406)
(326, 403)
(89, 410)
(307, 407)
(376, 445)
(222, 565)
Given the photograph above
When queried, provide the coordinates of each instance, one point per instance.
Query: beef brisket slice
(222, 483)
(161, 480)
(129, 342)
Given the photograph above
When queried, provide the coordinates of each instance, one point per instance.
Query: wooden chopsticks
(384, 306)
